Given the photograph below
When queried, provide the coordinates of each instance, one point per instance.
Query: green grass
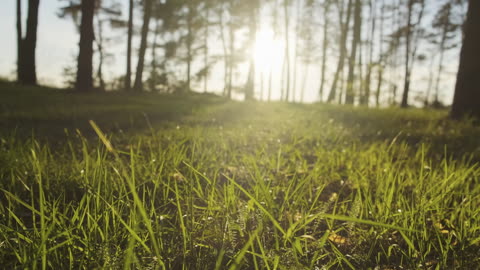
(194, 182)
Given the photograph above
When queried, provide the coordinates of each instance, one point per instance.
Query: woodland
(245, 134)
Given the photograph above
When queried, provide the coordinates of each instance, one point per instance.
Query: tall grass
(247, 186)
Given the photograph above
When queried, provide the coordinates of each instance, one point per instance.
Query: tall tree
(26, 64)
(365, 97)
(343, 52)
(147, 14)
(411, 42)
(466, 101)
(357, 29)
(381, 61)
(19, 40)
(286, 63)
(274, 26)
(250, 85)
(443, 21)
(326, 10)
(84, 80)
(128, 75)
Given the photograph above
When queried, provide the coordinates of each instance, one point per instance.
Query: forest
(244, 134)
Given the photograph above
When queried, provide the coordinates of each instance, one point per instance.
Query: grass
(195, 182)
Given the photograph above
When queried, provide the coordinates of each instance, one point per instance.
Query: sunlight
(268, 51)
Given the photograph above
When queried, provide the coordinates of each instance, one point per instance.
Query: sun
(268, 51)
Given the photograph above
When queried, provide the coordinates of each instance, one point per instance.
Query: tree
(26, 65)
(343, 52)
(411, 42)
(443, 21)
(365, 97)
(466, 101)
(306, 45)
(128, 75)
(252, 32)
(84, 80)
(286, 63)
(326, 10)
(357, 29)
(101, 15)
(147, 14)
(19, 40)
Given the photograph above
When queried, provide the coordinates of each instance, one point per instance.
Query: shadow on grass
(47, 113)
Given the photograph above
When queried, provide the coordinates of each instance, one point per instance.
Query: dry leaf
(337, 239)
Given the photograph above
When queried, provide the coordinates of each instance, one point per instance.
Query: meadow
(118, 181)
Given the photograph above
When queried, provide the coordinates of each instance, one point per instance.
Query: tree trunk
(365, 98)
(466, 101)
(128, 75)
(19, 42)
(381, 64)
(296, 52)
(304, 82)
(250, 85)
(379, 85)
(440, 64)
(26, 55)
(350, 95)
(84, 80)
(287, 50)
(270, 85)
(147, 11)
(153, 73)
(324, 50)
(189, 45)
(231, 61)
(406, 87)
(411, 54)
(426, 102)
(205, 49)
(343, 52)
(99, 41)
(225, 52)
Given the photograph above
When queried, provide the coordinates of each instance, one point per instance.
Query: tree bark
(224, 48)
(324, 50)
(381, 57)
(101, 55)
(466, 101)
(147, 12)
(287, 50)
(84, 80)
(440, 63)
(365, 98)
(250, 85)
(27, 64)
(231, 62)
(19, 42)
(153, 73)
(343, 52)
(411, 52)
(128, 75)
(205, 49)
(406, 87)
(189, 44)
(357, 28)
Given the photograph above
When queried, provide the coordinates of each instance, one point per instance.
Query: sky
(57, 48)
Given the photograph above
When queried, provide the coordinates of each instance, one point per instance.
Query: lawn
(121, 181)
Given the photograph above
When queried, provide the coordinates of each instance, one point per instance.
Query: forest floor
(198, 182)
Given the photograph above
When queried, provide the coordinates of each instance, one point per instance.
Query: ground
(198, 182)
